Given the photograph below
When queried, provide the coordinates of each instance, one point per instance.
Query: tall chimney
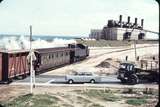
(120, 19)
(135, 21)
(142, 20)
(128, 19)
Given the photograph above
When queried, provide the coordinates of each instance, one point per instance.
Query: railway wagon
(54, 57)
(0, 66)
(51, 57)
(13, 64)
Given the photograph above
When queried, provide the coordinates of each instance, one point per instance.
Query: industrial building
(95, 34)
(120, 30)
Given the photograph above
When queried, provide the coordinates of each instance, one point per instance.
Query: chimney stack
(135, 21)
(142, 20)
(128, 21)
(120, 19)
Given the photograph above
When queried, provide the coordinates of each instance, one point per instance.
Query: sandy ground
(67, 95)
(97, 55)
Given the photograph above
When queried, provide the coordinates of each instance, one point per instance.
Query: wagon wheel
(123, 81)
(133, 79)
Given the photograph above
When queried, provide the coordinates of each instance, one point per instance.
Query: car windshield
(88, 73)
(128, 67)
(81, 73)
(74, 73)
(123, 66)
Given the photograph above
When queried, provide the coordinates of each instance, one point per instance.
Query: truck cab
(127, 73)
(130, 73)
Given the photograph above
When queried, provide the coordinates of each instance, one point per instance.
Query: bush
(136, 101)
(107, 95)
(31, 100)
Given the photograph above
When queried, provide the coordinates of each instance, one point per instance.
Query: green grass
(106, 96)
(29, 100)
(136, 101)
(47, 100)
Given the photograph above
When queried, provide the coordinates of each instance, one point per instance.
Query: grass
(136, 101)
(30, 100)
(128, 91)
(106, 96)
(104, 43)
(81, 99)
(84, 98)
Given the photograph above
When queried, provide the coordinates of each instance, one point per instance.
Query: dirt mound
(108, 63)
(104, 64)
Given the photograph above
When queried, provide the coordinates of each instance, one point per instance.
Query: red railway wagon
(14, 64)
(0, 66)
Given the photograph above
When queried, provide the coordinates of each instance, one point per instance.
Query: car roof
(83, 72)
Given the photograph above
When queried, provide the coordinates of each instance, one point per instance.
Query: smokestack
(128, 19)
(135, 21)
(142, 20)
(120, 18)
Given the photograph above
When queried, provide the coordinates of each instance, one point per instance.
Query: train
(14, 63)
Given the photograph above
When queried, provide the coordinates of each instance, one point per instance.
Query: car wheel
(92, 81)
(70, 81)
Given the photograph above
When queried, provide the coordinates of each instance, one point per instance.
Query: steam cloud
(14, 43)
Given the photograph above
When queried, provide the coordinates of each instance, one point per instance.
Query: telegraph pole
(1, 1)
(75, 49)
(135, 48)
(31, 67)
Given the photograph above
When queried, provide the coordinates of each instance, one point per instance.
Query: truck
(133, 73)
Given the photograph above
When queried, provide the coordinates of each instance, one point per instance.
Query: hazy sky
(72, 17)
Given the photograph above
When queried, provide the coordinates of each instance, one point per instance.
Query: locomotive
(14, 64)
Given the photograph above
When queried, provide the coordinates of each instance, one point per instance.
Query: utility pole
(31, 67)
(1, 1)
(75, 49)
(135, 50)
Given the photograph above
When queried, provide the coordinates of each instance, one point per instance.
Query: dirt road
(97, 55)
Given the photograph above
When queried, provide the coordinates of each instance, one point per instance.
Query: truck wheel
(123, 81)
(92, 81)
(70, 81)
(133, 79)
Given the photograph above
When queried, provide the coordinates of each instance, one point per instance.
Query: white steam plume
(14, 43)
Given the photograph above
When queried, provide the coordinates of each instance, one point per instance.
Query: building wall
(95, 33)
(118, 33)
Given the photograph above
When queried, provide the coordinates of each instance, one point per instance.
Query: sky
(72, 17)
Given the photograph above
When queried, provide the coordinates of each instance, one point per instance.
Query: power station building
(120, 30)
(95, 34)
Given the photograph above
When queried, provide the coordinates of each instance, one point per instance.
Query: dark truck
(132, 73)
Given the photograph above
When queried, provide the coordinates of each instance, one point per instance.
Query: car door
(82, 77)
(78, 77)
(87, 77)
